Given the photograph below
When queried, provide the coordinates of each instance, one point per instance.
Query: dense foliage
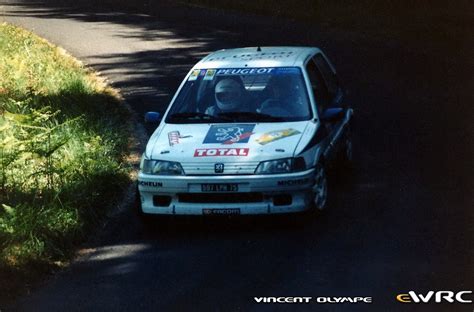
(63, 135)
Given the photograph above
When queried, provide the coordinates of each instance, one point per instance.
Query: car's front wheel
(146, 219)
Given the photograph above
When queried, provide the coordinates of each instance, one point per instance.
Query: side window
(320, 89)
(328, 74)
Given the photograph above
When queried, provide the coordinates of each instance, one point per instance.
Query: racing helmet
(228, 94)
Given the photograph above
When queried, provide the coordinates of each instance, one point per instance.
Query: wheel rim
(320, 189)
(349, 149)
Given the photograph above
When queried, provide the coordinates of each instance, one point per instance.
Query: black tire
(320, 191)
(137, 204)
(346, 152)
(146, 219)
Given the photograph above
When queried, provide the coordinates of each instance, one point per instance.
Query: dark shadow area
(406, 221)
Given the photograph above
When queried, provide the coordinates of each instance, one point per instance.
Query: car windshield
(263, 94)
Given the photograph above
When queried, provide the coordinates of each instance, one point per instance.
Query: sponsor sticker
(257, 71)
(229, 211)
(174, 136)
(194, 75)
(293, 182)
(244, 71)
(276, 135)
(229, 134)
(213, 152)
(210, 74)
(150, 184)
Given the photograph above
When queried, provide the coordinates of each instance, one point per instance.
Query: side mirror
(332, 114)
(152, 118)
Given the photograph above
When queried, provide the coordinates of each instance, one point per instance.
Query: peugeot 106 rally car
(249, 131)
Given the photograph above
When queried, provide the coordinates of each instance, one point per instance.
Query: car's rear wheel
(320, 190)
(346, 153)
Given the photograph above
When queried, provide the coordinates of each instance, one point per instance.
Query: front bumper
(257, 194)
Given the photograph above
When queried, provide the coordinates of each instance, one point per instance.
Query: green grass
(63, 140)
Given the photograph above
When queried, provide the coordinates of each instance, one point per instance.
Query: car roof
(257, 57)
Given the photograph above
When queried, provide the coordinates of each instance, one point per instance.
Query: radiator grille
(220, 198)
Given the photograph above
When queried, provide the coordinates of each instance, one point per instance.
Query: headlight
(284, 165)
(161, 167)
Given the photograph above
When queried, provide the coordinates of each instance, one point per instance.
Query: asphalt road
(403, 221)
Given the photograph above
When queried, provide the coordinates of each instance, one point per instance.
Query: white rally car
(249, 131)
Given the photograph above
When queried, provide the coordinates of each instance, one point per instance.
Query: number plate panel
(216, 188)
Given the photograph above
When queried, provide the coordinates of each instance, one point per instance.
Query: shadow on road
(153, 75)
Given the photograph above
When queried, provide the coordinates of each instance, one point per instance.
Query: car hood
(240, 146)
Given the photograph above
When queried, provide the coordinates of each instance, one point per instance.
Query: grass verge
(63, 142)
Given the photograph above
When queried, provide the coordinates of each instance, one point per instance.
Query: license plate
(230, 211)
(219, 187)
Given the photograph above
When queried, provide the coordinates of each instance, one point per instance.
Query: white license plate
(228, 187)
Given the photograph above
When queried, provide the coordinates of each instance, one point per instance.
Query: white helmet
(227, 94)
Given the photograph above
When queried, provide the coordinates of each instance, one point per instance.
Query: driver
(230, 97)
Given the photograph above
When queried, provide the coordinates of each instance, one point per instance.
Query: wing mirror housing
(152, 118)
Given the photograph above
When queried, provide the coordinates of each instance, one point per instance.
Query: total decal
(213, 152)
(174, 137)
(229, 134)
(276, 135)
(441, 296)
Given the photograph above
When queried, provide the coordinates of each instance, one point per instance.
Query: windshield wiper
(250, 116)
(194, 116)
